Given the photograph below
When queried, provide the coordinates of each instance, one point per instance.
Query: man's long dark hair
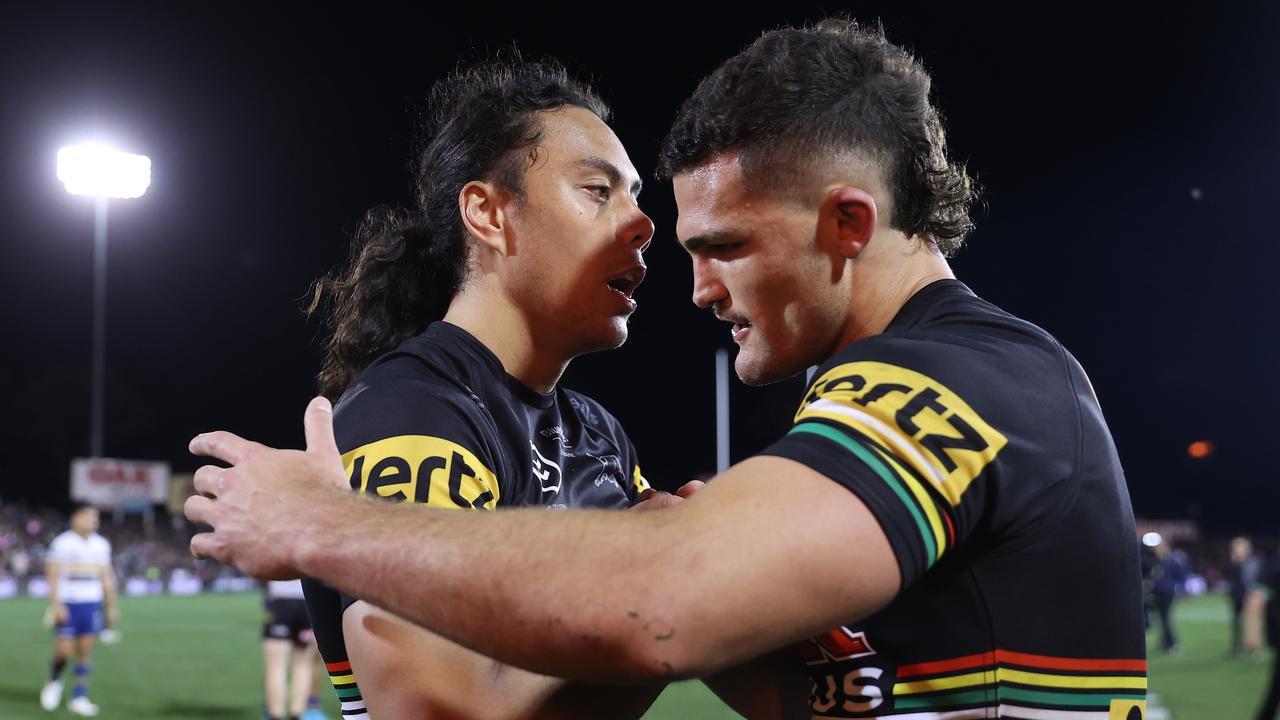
(405, 267)
(798, 97)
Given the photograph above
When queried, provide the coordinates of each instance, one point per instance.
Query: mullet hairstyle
(798, 99)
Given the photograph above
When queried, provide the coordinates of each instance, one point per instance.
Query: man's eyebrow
(696, 243)
(611, 171)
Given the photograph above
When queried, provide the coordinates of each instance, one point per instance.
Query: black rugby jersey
(439, 422)
(976, 441)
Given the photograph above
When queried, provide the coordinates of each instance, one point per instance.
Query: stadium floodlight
(102, 172)
(1152, 539)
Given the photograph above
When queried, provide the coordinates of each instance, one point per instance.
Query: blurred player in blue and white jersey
(81, 581)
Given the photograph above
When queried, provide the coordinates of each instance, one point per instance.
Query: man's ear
(847, 218)
(483, 208)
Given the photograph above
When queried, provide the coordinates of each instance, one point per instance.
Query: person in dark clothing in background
(1168, 578)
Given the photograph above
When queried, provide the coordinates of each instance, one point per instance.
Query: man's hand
(657, 499)
(262, 505)
(60, 614)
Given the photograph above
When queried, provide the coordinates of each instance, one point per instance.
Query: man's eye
(599, 192)
(723, 248)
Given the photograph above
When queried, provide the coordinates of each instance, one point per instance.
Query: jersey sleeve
(878, 421)
(417, 442)
(407, 440)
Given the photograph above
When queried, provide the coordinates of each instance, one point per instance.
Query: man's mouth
(625, 283)
(739, 329)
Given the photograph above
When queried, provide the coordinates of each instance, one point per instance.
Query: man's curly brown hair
(799, 98)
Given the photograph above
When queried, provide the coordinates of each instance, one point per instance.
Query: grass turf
(199, 657)
(192, 657)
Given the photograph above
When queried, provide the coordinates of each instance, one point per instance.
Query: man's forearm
(590, 595)
(109, 587)
(406, 671)
(600, 620)
(51, 576)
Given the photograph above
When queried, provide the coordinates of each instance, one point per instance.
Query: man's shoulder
(404, 380)
(403, 395)
(976, 347)
(950, 394)
(904, 358)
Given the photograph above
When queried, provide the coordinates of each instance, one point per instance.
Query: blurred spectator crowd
(150, 558)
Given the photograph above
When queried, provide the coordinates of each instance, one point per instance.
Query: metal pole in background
(99, 324)
(722, 410)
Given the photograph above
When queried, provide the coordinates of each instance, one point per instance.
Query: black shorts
(287, 619)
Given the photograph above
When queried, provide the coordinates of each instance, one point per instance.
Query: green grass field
(192, 657)
(1202, 682)
(199, 657)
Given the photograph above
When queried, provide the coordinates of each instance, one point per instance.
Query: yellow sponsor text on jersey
(1128, 710)
(913, 416)
(638, 481)
(422, 469)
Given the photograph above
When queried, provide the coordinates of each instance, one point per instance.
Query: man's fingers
(656, 500)
(208, 480)
(317, 423)
(690, 488)
(222, 445)
(205, 545)
(198, 509)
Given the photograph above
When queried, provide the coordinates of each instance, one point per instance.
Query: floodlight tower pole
(101, 173)
(99, 325)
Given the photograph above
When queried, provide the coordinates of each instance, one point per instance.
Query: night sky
(1129, 164)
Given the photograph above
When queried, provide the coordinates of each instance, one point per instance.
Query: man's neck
(880, 293)
(506, 332)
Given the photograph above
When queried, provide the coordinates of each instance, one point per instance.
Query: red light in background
(1200, 449)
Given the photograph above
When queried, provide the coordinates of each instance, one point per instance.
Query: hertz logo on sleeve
(422, 469)
(913, 416)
